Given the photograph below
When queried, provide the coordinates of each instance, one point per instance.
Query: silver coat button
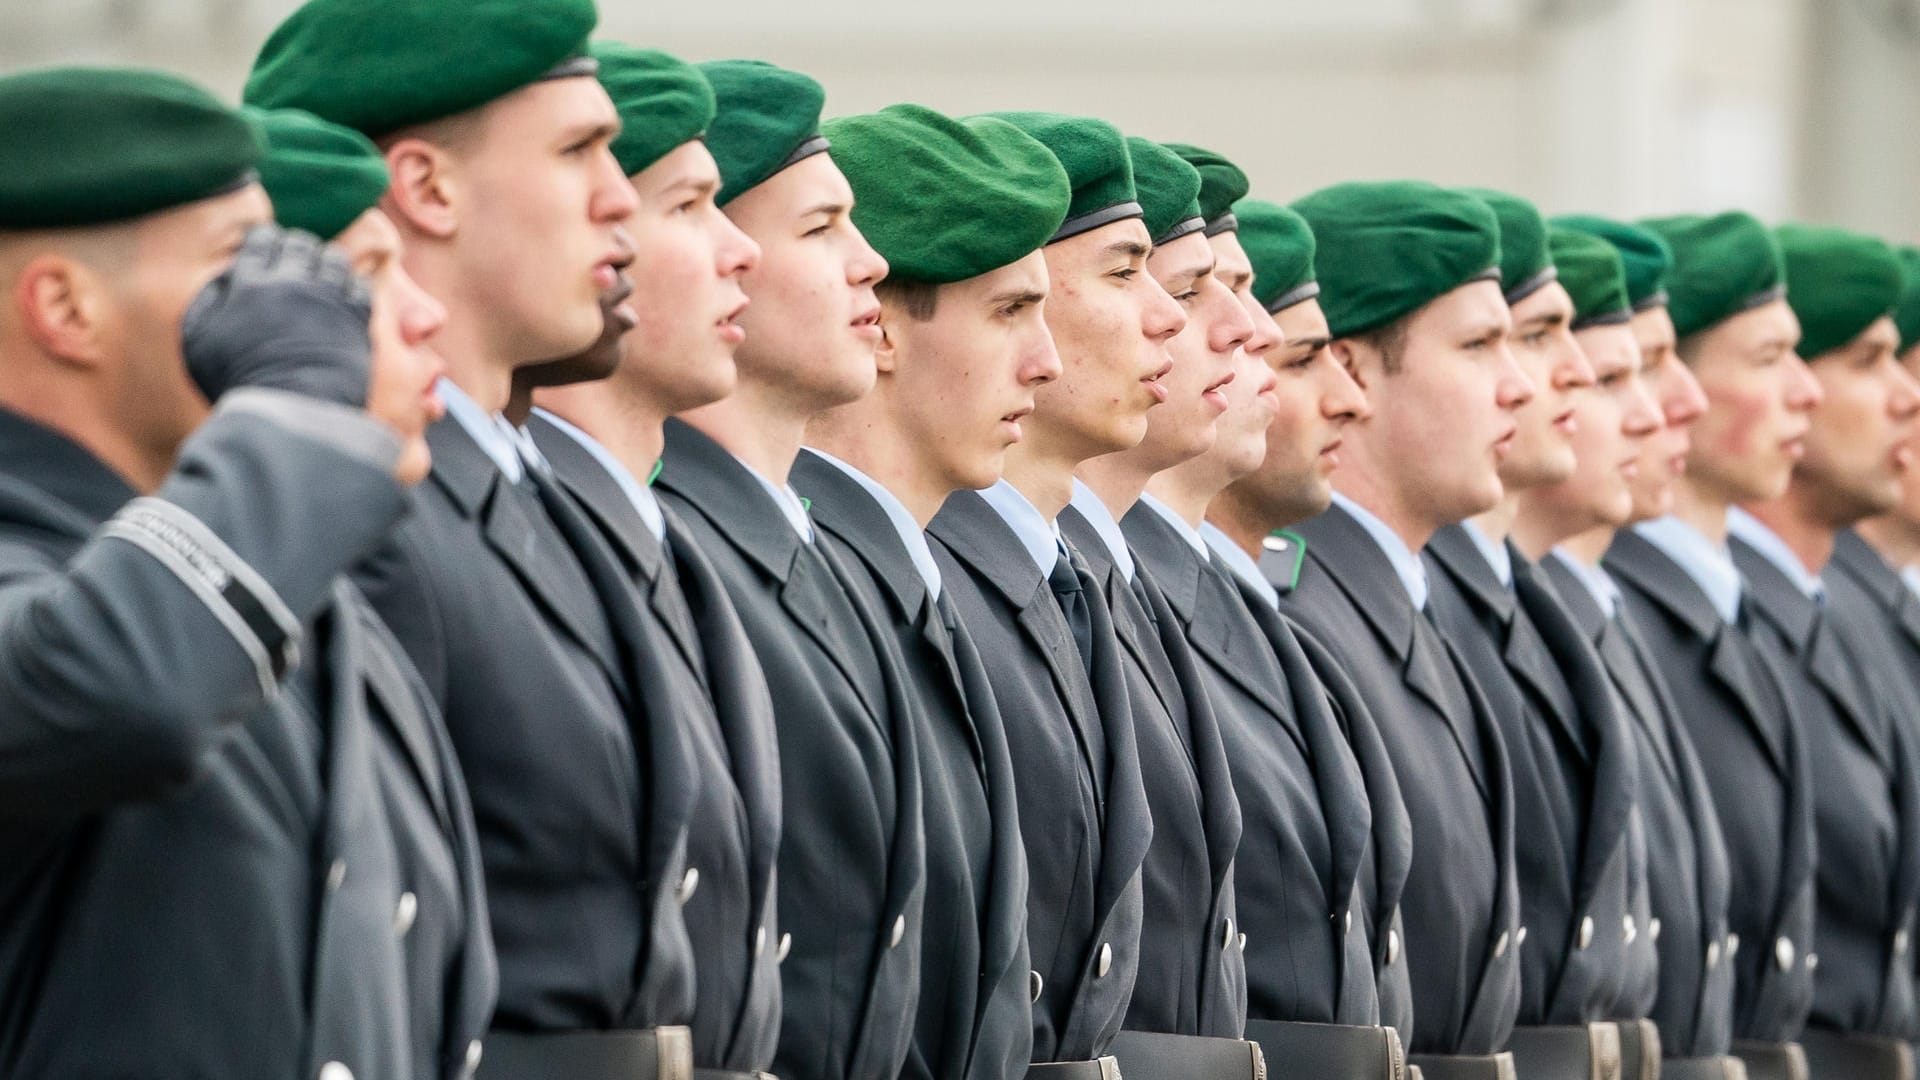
(1733, 946)
(1500, 946)
(1393, 947)
(1226, 939)
(336, 877)
(786, 946)
(404, 913)
(1713, 954)
(1520, 938)
(1628, 930)
(899, 931)
(689, 882)
(1243, 943)
(473, 1056)
(1105, 963)
(1034, 985)
(333, 1070)
(1813, 962)
(1782, 952)
(1653, 929)
(1900, 942)
(760, 940)
(1273, 543)
(1586, 931)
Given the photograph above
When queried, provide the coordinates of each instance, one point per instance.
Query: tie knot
(1063, 579)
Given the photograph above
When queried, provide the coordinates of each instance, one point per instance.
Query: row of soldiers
(629, 581)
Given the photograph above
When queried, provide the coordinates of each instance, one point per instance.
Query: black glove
(288, 314)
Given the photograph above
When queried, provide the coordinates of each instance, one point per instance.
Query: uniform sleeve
(122, 671)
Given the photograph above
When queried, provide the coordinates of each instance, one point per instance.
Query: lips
(1565, 423)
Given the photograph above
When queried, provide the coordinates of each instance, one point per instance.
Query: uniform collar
(1104, 525)
(1239, 562)
(1039, 536)
(645, 503)
(1187, 532)
(1910, 576)
(1406, 565)
(911, 535)
(1775, 550)
(487, 430)
(1710, 565)
(61, 468)
(1497, 555)
(792, 506)
(1596, 580)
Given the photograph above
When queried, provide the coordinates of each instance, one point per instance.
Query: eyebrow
(695, 185)
(1548, 321)
(1312, 344)
(831, 209)
(604, 129)
(1017, 296)
(1132, 249)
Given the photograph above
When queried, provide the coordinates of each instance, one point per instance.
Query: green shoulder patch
(1290, 548)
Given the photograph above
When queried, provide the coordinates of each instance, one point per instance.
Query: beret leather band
(1185, 227)
(1532, 285)
(818, 144)
(1225, 223)
(1761, 299)
(1298, 295)
(1088, 222)
(573, 67)
(1648, 303)
(1605, 318)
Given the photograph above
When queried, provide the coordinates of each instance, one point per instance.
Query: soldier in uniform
(603, 438)
(1852, 704)
(518, 614)
(1428, 346)
(215, 752)
(962, 348)
(1033, 606)
(1622, 437)
(852, 867)
(1188, 1014)
(1312, 1001)
(1684, 595)
(1572, 761)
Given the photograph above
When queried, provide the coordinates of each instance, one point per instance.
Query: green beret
(1169, 191)
(1643, 253)
(1722, 265)
(1843, 282)
(1907, 315)
(767, 118)
(1387, 248)
(664, 102)
(1221, 185)
(89, 146)
(381, 65)
(1280, 246)
(1525, 265)
(320, 176)
(946, 200)
(1094, 153)
(1593, 275)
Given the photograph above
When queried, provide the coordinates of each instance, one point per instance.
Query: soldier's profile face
(1544, 346)
(1241, 444)
(1909, 509)
(1759, 394)
(1613, 419)
(405, 319)
(1859, 445)
(1110, 322)
(1663, 454)
(1235, 270)
(1203, 353)
(1314, 399)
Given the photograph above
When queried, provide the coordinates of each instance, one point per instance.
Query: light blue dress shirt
(645, 503)
(1775, 550)
(792, 506)
(1596, 579)
(1911, 575)
(1102, 520)
(1406, 563)
(487, 430)
(1497, 555)
(1187, 532)
(1039, 536)
(1239, 562)
(910, 532)
(1710, 565)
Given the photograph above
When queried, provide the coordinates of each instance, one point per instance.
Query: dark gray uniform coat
(852, 864)
(1460, 907)
(1736, 712)
(1083, 809)
(1866, 802)
(222, 858)
(1193, 974)
(1573, 772)
(708, 682)
(975, 1020)
(1306, 827)
(1688, 883)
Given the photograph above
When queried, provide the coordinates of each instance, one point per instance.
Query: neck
(1359, 486)
(1897, 540)
(629, 427)
(1045, 479)
(1588, 546)
(755, 426)
(1242, 522)
(1498, 522)
(1117, 478)
(1188, 490)
(95, 429)
(863, 435)
(519, 402)
(1702, 510)
(477, 365)
(1810, 541)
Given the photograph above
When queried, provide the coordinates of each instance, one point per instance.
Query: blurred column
(1861, 165)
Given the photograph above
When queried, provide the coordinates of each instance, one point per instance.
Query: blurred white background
(1802, 108)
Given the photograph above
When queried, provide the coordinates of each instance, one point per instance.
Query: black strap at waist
(1333, 1051)
(662, 1053)
(1571, 1052)
(1464, 1066)
(1104, 1068)
(1150, 1055)
(1858, 1057)
(1771, 1060)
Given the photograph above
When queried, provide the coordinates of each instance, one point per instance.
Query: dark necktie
(1065, 583)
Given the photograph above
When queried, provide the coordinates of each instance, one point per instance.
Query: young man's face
(814, 321)
(1235, 270)
(686, 272)
(405, 319)
(1663, 454)
(1241, 444)
(1612, 420)
(1314, 399)
(538, 197)
(1110, 322)
(1444, 418)
(1759, 395)
(1203, 353)
(1543, 345)
(1860, 444)
(961, 380)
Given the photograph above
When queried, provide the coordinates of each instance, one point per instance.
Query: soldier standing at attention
(1736, 335)
(1626, 429)
(962, 348)
(1428, 345)
(1852, 703)
(1572, 760)
(517, 613)
(1189, 1012)
(214, 751)
(1034, 607)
